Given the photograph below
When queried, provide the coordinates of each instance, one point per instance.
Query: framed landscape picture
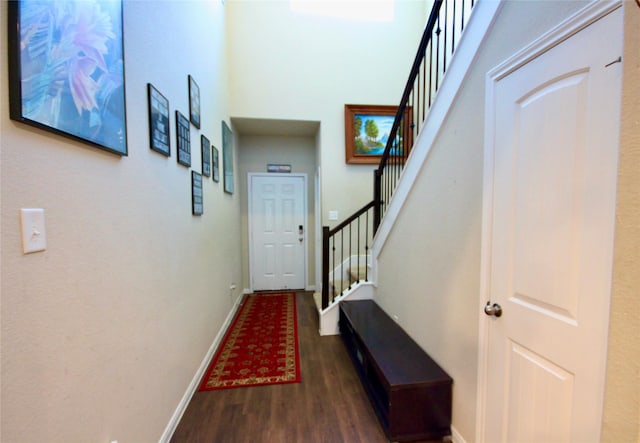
(64, 81)
(158, 121)
(367, 130)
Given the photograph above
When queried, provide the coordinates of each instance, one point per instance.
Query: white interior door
(552, 177)
(277, 231)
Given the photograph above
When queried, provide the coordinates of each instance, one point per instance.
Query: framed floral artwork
(66, 69)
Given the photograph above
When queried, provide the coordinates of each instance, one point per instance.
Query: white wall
(103, 332)
(291, 66)
(429, 267)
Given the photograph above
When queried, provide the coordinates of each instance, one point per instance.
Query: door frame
(563, 31)
(250, 176)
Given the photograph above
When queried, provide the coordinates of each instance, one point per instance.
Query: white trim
(471, 40)
(572, 25)
(329, 317)
(250, 175)
(318, 227)
(456, 437)
(591, 13)
(195, 381)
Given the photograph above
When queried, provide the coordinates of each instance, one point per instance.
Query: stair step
(335, 290)
(339, 285)
(357, 273)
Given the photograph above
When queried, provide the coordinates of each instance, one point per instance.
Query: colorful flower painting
(71, 69)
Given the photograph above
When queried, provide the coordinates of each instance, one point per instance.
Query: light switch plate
(34, 236)
(333, 215)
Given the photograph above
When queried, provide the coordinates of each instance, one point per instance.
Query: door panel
(539, 401)
(277, 209)
(549, 156)
(552, 216)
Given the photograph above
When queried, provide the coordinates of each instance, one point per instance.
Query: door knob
(494, 310)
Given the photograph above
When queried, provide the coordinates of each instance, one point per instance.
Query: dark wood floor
(329, 405)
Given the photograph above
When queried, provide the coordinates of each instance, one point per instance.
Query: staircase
(348, 271)
(355, 276)
(354, 286)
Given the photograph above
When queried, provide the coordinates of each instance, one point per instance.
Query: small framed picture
(183, 136)
(206, 155)
(196, 193)
(158, 121)
(194, 102)
(216, 164)
(227, 158)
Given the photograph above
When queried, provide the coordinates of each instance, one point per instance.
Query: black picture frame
(227, 158)
(50, 86)
(183, 137)
(205, 146)
(215, 155)
(194, 102)
(159, 131)
(196, 193)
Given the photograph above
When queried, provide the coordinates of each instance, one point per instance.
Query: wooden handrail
(334, 256)
(351, 218)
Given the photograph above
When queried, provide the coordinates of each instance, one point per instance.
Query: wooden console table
(410, 393)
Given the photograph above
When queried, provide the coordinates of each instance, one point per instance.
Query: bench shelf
(410, 393)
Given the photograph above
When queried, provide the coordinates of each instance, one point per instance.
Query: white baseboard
(193, 386)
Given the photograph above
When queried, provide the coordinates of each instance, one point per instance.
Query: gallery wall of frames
(79, 92)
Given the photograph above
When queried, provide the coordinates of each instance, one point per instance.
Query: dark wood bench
(410, 393)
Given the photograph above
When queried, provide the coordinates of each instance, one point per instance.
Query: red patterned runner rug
(260, 347)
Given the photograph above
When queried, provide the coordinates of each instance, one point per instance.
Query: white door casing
(551, 152)
(277, 231)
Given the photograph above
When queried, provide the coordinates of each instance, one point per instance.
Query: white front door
(550, 188)
(277, 231)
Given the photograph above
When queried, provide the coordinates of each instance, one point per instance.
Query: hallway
(329, 405)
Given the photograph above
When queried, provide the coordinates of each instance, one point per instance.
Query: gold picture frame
(367, 129)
